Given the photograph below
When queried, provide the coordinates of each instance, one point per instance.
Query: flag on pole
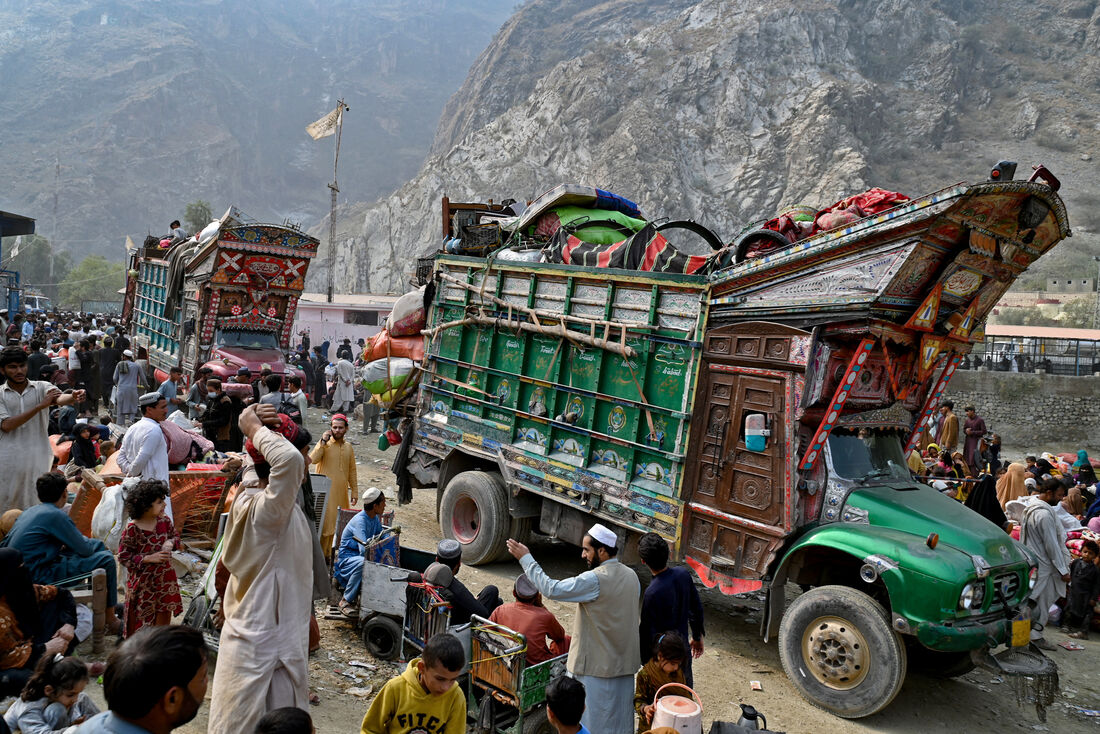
(16, 247)
(326, 125)
(129, 244)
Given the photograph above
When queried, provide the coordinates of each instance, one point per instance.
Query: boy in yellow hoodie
(423, 699)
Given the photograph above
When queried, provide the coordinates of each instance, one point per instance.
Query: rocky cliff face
(724, 110)
(119, 112)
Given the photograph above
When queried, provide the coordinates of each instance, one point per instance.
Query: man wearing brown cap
(535, 622)
(603, 654)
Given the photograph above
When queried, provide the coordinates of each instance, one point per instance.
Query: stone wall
(1031, 411)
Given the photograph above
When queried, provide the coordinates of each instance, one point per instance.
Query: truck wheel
(474, 511)
(198, 613)
(838, 649)
(519, 529)
(382, 636)
(536, 722)
(936, 664)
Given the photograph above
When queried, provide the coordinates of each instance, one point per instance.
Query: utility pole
(334, 189)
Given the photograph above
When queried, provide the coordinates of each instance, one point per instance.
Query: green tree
(95, 279)
(1077, 314)
(39, 267)
(196, 216)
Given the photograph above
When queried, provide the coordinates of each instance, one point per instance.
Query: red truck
(224, 299)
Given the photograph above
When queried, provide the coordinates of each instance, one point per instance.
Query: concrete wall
(1033, 412)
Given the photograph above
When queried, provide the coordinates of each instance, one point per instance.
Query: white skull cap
(604, 535)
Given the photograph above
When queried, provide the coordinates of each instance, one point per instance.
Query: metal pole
(1096, 306)
(335, 189)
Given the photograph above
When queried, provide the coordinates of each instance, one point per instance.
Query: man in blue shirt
(52, 547)
(170, 389)
(348, 569)
(155, 682)
(671, 602)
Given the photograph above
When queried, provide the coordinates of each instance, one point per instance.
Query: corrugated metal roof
(347, 299)
(1042, 332)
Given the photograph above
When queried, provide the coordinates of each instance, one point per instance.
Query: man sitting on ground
(52, 547)
(463, 603)
(535, 622)
(348, 570)
(155, 682)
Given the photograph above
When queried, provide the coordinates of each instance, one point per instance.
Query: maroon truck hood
(254, 359)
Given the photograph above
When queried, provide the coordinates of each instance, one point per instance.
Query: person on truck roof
(603, 654)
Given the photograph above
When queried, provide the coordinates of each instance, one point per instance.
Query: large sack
(407, 317)
(107, 519)
(179, 442)
(383, 375)
(383, 345)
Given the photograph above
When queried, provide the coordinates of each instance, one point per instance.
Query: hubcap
(835, 652)
(465, 521)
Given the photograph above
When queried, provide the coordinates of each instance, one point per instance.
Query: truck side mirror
(756, 431)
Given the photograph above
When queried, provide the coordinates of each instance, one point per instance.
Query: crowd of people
(1047, 502)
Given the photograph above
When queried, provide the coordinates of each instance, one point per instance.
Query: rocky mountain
(119, 112)
(725, 110)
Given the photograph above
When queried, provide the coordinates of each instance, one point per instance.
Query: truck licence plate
(1021, 632)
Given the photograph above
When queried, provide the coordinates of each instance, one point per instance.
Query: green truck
(757, 414)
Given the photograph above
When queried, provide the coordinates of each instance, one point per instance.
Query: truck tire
(474, 511)
(838, 648)
(519, 530)
(382, 637)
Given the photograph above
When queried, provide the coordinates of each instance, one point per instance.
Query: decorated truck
(756, 410)
(225, 298)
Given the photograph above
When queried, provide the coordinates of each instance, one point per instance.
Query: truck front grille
(1007, 584)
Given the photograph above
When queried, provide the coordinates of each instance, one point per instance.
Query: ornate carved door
(733, 478)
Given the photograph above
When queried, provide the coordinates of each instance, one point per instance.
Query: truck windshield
(246, 339)
(867, 454)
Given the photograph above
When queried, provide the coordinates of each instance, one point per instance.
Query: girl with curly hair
(152, 590)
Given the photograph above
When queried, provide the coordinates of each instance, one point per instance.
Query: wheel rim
(380, 642)
(465, 520)
(835, 652)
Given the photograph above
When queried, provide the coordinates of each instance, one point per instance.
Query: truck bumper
(964, 635)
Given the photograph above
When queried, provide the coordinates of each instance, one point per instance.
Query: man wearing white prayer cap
(348, 569)
(604, 653)
(144, 450)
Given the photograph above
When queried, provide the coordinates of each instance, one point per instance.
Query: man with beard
(1044, 535)
(24, 420)
(604, 653)
(155, 682)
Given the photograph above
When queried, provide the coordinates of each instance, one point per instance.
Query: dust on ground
(735, 653)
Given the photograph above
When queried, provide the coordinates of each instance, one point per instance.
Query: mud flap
(1034, 676)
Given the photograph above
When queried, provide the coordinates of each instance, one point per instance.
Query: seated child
(53, 698)
(666, 666)
(425, 696)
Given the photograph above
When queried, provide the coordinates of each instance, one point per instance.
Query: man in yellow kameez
(335, 458)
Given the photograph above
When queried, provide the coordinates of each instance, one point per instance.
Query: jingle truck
(224, 299)
(756, 413)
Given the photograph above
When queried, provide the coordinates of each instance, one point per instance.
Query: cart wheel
(536, 722)
(198, 613)
(382, 636)
(474, 511)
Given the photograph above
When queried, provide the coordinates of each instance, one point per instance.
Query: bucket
(680, 713)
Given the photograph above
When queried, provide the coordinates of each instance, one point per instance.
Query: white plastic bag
(107, 519)
(407, 316)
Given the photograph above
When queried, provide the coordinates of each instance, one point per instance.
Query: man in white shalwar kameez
(1042, 532)
(603, 654)
(344, 397)
(263, 655)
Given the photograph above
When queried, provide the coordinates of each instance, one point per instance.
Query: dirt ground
(735, 654)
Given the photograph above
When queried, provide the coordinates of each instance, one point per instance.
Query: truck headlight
(1032, 577)
(972, 595)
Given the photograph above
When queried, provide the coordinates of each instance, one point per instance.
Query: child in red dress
(152, 590)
